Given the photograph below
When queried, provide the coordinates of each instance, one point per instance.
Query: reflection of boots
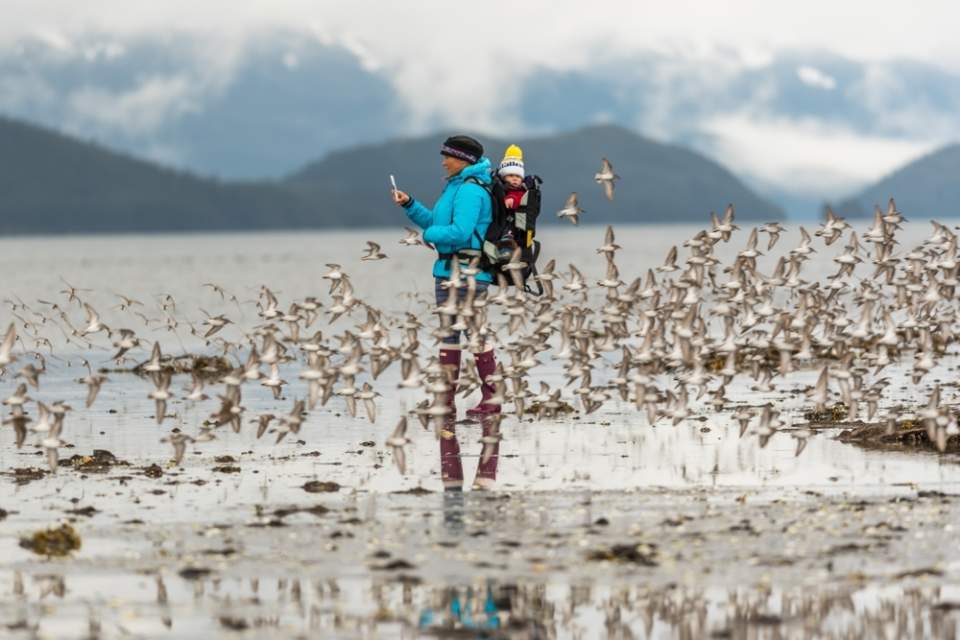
(453, 511)
(451, 468)
(487, 471)
(486, 366)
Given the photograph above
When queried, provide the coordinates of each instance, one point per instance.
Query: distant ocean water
(292, 262)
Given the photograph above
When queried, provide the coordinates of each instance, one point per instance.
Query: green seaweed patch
(563, 407)
(100, 461)
(53, 542)
(836, 413)
(206, 367)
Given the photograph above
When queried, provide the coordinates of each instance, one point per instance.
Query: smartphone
(393, 183)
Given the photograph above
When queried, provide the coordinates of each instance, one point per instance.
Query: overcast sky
(439, 52)
(562, 30)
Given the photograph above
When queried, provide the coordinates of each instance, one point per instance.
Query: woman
(458, 221)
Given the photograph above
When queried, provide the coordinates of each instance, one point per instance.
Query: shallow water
(555, 478)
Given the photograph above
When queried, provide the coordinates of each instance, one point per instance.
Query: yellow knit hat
(512, 163)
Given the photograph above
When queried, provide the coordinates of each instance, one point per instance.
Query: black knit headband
(457, 153)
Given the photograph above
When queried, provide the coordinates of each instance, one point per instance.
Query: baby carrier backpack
(511, 228)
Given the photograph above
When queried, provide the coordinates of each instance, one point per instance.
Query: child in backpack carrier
(511, 172)
(521, 203)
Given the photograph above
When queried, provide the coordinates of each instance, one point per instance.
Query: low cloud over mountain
(801, 127)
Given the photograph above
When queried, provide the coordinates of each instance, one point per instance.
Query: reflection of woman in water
(456, 226)
(462, 614)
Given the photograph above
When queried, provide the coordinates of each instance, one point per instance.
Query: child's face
(513, 181)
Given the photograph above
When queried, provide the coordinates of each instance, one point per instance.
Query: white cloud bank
(807, 156)
(437, 50)
(142, 110)
(814, 77)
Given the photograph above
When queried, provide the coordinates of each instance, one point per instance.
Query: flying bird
(606, 177)
(179, 442)
(373, 252)
(571, 209)
(396, 441)
(6, 347)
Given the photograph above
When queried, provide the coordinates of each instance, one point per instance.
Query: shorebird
(412, 239)
(397, 440)
(215, 324)
(94, 325)
(373, 252)
(179, 443)
(606, 177)
(670, 263)
(291, 422)
(31, 374)
(216, 289)
(722, 229)
(571, 209)
(51, 443)
(72, 291)
(195, 392)
(263, 422)
(774, 229)
(832, 227)
(20, 422)
(515, 267)
(156, 356)
(6, 347)
(491, 438)
(44, 419)
(93, 381)
(161, 394)
(334, 275)
(274, 382)
(609, 247)
(128, 340)
(367, 395)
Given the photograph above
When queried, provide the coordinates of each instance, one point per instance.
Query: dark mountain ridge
(52, 183)
(925, 188)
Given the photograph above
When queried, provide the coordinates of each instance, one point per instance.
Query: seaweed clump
(321, 486)
(836, 413)
(100, 461)
(906, 434)
(53, 542)
(206, 367)
(643, 554)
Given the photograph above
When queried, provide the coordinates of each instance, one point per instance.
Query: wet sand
(682, 531)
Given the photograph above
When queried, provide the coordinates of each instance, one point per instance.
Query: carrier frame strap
(533, 275)
(489, 190)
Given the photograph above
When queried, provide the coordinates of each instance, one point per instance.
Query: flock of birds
(685, 329)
